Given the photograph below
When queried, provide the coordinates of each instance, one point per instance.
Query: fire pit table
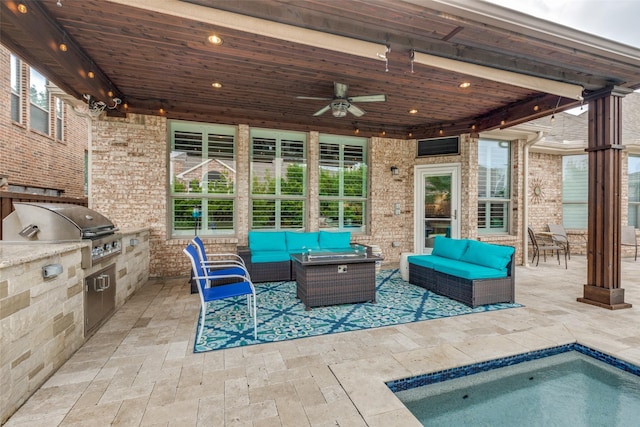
(330, 278)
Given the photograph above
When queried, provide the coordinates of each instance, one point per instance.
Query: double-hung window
(16, 89)
(203, 176)
(59, 127)
(343, 182)
(575, 196)
(494, 186)
(39, 105)
(634, 191)
(278, 180)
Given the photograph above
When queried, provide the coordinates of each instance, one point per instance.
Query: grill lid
(57, 221)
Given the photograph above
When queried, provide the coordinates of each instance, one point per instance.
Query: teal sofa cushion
(269, 256)
(468, 271)
(335, 239)
(297, 241)
(449, 248)
(488, 255)
(267, 241)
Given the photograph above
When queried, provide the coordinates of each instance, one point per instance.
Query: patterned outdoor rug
(281, 316)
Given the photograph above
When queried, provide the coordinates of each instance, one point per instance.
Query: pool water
(566, 388)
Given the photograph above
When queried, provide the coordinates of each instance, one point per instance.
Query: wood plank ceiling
(154, 60)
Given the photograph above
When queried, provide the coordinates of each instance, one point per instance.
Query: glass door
(437, 202)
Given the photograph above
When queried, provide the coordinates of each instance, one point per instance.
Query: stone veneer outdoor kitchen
(42, 319)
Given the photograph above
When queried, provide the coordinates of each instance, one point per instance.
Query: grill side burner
(58, 222)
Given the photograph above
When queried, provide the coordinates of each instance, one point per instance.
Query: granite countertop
(15, 253)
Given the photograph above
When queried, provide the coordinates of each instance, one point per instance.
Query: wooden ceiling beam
(46, 36)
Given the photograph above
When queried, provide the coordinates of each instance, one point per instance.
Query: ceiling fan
(341, 103)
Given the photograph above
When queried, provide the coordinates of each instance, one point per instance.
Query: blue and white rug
(281, 316)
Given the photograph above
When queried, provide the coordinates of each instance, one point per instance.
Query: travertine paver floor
(139, 368)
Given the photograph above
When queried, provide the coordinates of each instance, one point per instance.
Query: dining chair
(629, 238)
(543, 243)
(560, 234)
(242, 287)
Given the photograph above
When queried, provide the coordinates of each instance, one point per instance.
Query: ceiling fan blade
(315, 98)
(340, 90)
(356, 111)
(322, 110)
(368, 98)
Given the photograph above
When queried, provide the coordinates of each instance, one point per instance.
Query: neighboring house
(43, 142)
(148, 171)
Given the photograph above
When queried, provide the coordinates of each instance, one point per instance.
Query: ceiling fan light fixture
(339, 108)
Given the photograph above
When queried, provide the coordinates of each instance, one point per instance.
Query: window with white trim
(39, 102)
(343, 183)
(575, 197)
(494, 186)
(202, 179)
(634, 191)
(278, 180)
(16, 89)
(59, 123)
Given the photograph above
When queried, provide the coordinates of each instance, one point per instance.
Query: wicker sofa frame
(470, 292)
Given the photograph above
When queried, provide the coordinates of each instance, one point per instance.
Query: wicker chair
(629, 238)
(560, 235)
(543, 243)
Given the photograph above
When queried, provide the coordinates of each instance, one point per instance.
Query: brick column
(604, 225)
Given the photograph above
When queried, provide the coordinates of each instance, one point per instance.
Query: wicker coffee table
(334, 278)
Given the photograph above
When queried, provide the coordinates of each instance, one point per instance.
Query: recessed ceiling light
(413, 111)
(216, 85)
(464, 85)
(215, 39)
(22, 8)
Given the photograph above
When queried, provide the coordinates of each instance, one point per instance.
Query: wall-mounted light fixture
(395, 170)
(51, 270)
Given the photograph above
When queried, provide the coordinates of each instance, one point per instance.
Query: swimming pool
(566, 385)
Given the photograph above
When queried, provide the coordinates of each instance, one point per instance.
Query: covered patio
(139, 369)
(145, 74)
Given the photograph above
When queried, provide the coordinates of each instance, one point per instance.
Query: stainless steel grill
(58, 222)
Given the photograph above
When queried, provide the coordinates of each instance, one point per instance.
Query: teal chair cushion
(468, 271)
(269, 256)
(335, 239)
(267, 241)
(449, 248)
(488, 255)
(297, 241)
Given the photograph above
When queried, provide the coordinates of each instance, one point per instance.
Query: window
(278, 180)
(634, 191)
(59, 119)
(343, 183)
(16, 89)
(39, 97)
(203, 176)
(494, 182)
(575, 183)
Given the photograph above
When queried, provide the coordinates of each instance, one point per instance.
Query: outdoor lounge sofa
(474, 273)
(268, 255)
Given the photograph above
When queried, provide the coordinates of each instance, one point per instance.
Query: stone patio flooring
(139, 368)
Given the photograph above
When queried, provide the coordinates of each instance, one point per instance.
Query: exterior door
(437, 201)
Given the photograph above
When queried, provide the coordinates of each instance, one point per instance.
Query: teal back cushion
(335, 239)
(487, 254)
(267, 241)
(449, 248)
(299, 241)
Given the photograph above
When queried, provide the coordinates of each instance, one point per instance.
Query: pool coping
(463, 371)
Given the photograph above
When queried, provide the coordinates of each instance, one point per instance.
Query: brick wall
(33, 159)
